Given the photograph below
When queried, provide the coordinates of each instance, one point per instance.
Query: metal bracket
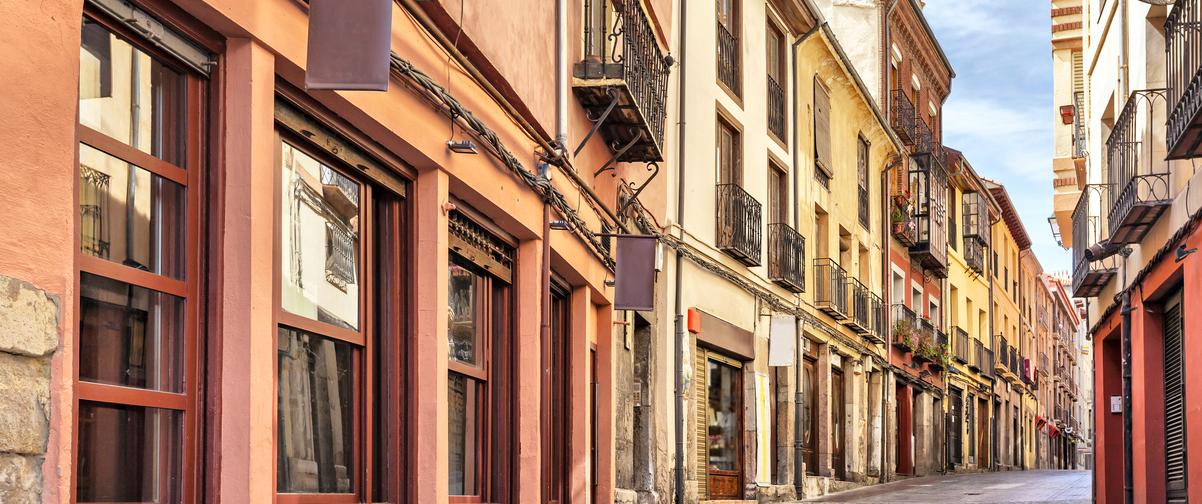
(609, 165)
(652, 167)
(597, 123)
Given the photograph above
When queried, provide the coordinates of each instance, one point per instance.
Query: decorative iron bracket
(609, 165)
(652, 167)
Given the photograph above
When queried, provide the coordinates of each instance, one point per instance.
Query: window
(862, 169)
(1176, 481)
(776, 81)
(778, 195)
(140, 163)
(952, 229)
(729, 46)
(730, 154)
(822, 133)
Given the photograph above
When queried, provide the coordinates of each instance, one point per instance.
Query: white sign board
(782, 340)
(1116, 404)
(763, 428)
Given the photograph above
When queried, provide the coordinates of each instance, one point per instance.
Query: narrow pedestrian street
(1010, 486)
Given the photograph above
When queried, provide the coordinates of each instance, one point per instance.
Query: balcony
(961, 346)
(926, 346)
(1080, 134)
(984, 362)
(905, 327)
(729, 64)
(1043, 364)
(739, 224)
(902, 111)
(976, 230)
(776, 110)
(902, 222)
(1137, 170)
(879, 321)
(1003, 353)
(1090, 227)
(928, 182)
(830, 288)
(786, 257)
(623, 81)
(1184, 62)
(860, 299)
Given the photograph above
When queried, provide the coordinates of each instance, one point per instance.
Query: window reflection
(723, 417)
(130, 336)
(316, 414)
(319, 217)
(462, 323)
(465, 399)
(129, 215)
(128, 454)
(129, 96)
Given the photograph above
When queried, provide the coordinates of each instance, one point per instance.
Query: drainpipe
(993, 434)
(798, 473)
(561, 75)
(681, 336)
(886, 272)
(1125, 311)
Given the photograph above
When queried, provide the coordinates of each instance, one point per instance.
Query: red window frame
(190, 177)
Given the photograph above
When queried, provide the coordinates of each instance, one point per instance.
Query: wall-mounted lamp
(560, 225)
(462, 146)
(1182, 252)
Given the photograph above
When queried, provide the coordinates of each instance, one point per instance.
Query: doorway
(724, 426)
(837, 424)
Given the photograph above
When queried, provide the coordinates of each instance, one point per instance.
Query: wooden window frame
(556, 431)
(725, 123)
(736, 30)
(199, 93)
(779, 193)
(820, 160)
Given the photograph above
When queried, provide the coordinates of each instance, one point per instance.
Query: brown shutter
(701, 434)
(822, 128)
(1174, 404)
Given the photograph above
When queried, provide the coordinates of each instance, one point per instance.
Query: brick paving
(1061, 487)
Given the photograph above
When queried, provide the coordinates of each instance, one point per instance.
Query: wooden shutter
(701, 429)
(1078, 72)
(822, 128)
(1174, 403)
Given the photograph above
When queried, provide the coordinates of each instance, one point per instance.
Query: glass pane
(723, 417)
(465, 400)
(130, 336)
(128, 95)
(129, 215)
(129, 454)
(462, 316)
(316, 416)
(319, 238)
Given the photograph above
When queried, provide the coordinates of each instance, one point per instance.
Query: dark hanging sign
(634, 277)
(349, 44)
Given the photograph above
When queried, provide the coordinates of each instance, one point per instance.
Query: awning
(1053, 431)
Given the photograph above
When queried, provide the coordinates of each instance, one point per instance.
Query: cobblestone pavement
(1061, 487)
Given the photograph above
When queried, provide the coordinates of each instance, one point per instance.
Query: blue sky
(1000, 111)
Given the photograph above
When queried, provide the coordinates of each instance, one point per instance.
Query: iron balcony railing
(1183, 45)
(928, 182)
(1137, 170)
(925, 140)
(864, 206)
(974, 363)
(961, 348)
(776, 109)
(623, 79)
(739, 224)
(902, 111)
(905, 327)
(1003, 354)
(860, 300)
(879, 320)
(1089, 228)
(1014, 361)
(830, 288)
(976, 230)
(729, 64)
(786, 257)
(1043, 363)
(1080, 134)
(985, 361)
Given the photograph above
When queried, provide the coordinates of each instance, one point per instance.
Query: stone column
(28, 337)
(875, 423)
(922, 427)
(823, 389)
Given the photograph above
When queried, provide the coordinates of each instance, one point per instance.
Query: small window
(729, 46)
(778, 195)
(730, 154)
(822, 131)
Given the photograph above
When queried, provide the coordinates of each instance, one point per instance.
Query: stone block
(20, 479)
(624, 496)
(24, 404)
(776, 493)
(28, 319)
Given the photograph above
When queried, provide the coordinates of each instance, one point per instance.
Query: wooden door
(724, 428)
(837, 423)
(982, 433)
(809, 416)
(956, 427)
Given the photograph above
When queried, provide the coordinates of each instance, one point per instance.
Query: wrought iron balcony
(1080, 134)
(879, 321)
(985, 360)
(786, 257)
(974, 363)
(905, 327)
(1183, 38)
(901, 213)
(830, 288)
(928, 181)
(961, 348)
(730, 65)
(976, 230)
(1090, 226)
(1137, 169)
(901, 110)
(776, 110)
(623, 80)
(739, 224)
(1003, 353)
(860, 299)
(925, 141)
(1043, 364)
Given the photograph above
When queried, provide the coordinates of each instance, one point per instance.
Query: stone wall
(29, 329)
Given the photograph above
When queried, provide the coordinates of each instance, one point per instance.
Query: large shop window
(478, 407)
(140, 163)
(340, 335)
(720, 425)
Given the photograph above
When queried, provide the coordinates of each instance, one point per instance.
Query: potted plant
(939, 360)
(925, 352)
(903, 335)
